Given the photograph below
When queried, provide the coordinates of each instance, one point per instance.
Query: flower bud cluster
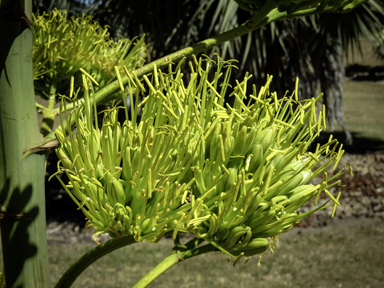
(61, 47)
(233, 175)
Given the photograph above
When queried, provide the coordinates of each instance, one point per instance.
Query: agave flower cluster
(62, 47)
(233, 175)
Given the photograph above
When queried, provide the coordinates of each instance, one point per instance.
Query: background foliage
(311, 48)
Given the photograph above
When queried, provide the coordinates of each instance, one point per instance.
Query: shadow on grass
(361, 144)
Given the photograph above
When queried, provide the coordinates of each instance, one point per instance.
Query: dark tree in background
(310, 48)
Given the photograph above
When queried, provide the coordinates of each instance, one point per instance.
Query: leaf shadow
(17, 243)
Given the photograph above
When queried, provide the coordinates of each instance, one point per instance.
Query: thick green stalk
(23, 235)
(90, 257)
(176, 257)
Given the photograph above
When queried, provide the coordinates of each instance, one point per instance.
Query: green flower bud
(257, 157)
(294, 182)
(264, 218)
(232, 178)
(240, 142)
(198, 173)
(255, 204)
(236, 235)
(127, 165)
(267, 139)
(76, 191)
(67, 163)
(253, 247)
(115, 192)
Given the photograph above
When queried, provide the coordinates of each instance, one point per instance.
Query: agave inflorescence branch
(268, 12)
(233, 175)
(64, 49)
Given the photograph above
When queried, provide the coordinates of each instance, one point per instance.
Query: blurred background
(341, 55)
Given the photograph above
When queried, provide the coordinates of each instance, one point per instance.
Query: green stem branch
(90, 257)
(49, 113)
(267, 14)
(176, 257)
(260, 19)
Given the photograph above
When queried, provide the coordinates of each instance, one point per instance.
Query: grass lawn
(364, 102)
(364, 106)
(363, 110)
(348, 253)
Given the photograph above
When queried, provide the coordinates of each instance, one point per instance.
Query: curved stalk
(90, 257)
(181, 253)
(175, 257)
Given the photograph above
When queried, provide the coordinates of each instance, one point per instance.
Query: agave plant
(233, 175)
(230, 174)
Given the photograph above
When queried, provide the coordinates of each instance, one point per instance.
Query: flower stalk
(69, 277)
(175, 257)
